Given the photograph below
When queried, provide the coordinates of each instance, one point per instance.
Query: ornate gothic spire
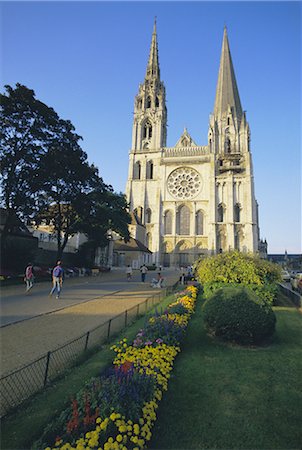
(153, 64)
(226, 91)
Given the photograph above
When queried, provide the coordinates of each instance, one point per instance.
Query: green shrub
(236, 267)
(266, 293)
(235, 314)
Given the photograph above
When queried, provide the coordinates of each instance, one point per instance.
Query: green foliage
(236, 267)
(266, 293)
(235, 314)
(46, 176)
(25, 131)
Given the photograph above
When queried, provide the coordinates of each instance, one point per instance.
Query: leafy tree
(46, 175)
(64, 180)
(25, 130)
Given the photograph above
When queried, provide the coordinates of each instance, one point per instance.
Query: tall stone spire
(153, 64)
(226, 91)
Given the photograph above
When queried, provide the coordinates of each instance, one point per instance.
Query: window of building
(237, 210)
(168, 222)
(148, 215)
(228, 145)
(183, 221)
(148, 240)
(157, 102)
(199, 222)
(137, 171)
(149, 174)
(147, 131)
(148, 102)
(220, 211)
(139, 213)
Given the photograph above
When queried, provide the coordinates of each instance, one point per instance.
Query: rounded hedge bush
(235, 314)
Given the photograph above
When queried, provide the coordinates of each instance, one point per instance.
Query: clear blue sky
(86, 60)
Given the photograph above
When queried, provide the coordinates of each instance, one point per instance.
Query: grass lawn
(228, 397)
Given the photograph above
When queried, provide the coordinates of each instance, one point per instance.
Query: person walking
(143, 270)
(29, 276)
(129, 272)
(57, 279)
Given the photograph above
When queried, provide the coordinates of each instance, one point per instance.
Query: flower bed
(117, 410)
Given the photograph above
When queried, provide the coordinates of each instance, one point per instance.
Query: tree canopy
(45, 174)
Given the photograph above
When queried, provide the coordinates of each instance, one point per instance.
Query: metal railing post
(86, 341)
(46, 368)
(126, 317)
(108, 332)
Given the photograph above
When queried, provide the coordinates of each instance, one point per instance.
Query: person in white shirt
(143, 270)
(129, 272)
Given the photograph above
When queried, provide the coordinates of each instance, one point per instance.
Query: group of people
(57, 278)
(156, 282)
(186, 274)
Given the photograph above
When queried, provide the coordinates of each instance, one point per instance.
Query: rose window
(184, 183)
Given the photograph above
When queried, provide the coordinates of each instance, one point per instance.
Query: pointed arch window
(149, 170)
(183, 221)
(237, 212)
(147, 132)
(157, 102)
(220, 213)
(148, 102)
(139, 213)
(199, 223)
(168, 222)
(137, 171)
(228, 145)
(148, 240)
(148, 215)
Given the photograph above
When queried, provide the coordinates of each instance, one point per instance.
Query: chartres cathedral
(192, 199)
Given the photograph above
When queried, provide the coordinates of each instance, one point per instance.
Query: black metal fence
(19, 385)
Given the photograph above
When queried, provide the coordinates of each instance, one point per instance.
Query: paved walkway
(26, 340)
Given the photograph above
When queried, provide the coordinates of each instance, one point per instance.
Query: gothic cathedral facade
(193, 200)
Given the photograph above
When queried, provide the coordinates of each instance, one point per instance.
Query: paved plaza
(33, 324)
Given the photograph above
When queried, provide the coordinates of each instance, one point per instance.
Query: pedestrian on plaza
(57, 279)
(129, 272)
(29, 276)
(143, 270)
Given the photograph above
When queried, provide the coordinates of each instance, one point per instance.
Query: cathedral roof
(186, 140)
(153, 64)
(226, 91)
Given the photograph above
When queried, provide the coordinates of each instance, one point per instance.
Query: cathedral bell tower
(150, 112)
(229, 141)
(229, 130)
